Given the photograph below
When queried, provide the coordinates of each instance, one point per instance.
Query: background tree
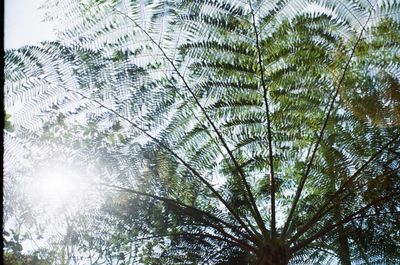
(259, 132)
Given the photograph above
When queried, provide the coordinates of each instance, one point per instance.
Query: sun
(57, 186)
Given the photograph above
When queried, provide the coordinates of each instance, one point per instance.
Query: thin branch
(249, 196)
(188, 210)
(185, 234)
(326, 251)
(269, 133)
(179, 204)
(174, 154)
(219, 149)
(252, 227)
(249, 248)
(321, 134)
(376, 215)
(322, 211)
(345, 220)
(206, 235)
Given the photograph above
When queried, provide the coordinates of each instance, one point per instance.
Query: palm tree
(273, 125)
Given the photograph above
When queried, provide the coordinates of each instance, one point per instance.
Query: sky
(23, 24)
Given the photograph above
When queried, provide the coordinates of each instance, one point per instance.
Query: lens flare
(57, 186)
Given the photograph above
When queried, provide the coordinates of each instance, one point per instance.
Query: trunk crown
(274, 254)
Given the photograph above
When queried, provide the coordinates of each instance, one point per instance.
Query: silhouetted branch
(322, 211)
(269, 133)
(321, 133)
(345, 220)
(249, 195)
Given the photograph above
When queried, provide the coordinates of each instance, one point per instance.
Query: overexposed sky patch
(23, 24)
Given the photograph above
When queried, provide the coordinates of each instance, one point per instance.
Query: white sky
(22, 24)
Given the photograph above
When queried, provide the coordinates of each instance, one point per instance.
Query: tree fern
(270, 128)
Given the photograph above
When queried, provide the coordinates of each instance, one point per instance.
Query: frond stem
(174, 154)
(322, 211)
(321, 133)
(183, 207)
(202, 235)
(345, 220)
(269, 133)
(249, 196)
(219, 149)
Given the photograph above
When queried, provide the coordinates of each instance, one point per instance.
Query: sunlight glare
(57, 186)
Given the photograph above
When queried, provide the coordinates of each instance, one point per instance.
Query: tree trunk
(274, 255)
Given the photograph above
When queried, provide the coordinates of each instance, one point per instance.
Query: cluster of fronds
(263, 123)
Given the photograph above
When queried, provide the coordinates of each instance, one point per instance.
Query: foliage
(259, 132)
(12, 253)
